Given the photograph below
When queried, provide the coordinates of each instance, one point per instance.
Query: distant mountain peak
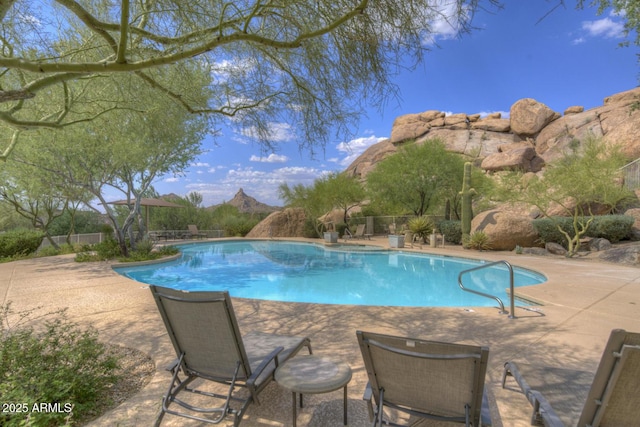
(248, 204)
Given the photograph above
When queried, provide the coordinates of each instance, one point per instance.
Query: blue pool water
(306, 272)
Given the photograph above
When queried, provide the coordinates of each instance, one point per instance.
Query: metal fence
(93, 238)
(632, 175)
(379, 225)
(85, 239)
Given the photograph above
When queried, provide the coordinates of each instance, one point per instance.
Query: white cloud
(200, 165)
(172, 179)
(223, 69)
(444, 22)
(271, 158)
(352, 149)
(503, 114)
(606, 27)
(278, 132)
(258, 184)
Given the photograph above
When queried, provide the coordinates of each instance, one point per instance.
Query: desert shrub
(478, 240)
(238, 226)
(167, 250)
(309, 229)
(548, 231)
(145, 246)
(340, 227)
(451, 230)
(59, 364)
(421, 226)
(19, 242)
(107, 249)
(611, 227)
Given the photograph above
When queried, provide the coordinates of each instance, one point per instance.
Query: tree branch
(204, 46)
(15, 95)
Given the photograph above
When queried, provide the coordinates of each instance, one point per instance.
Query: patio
(583, 300)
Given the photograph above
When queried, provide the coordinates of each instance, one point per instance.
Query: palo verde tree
(417, 179)
(332, 191)
(121, 153)
(589, 175)
(313, 63)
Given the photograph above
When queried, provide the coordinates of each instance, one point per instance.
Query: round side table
(313, 375)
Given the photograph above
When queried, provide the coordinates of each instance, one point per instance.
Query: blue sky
(569, 58)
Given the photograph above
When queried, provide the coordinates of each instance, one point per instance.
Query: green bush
(167, 250)
(61, 364)
(238, 226)
(479, 241)
(309, 229)
(107, 249)
(451, 230)
(611, 227)
(19, 243)
(145, 246)
(421, 226)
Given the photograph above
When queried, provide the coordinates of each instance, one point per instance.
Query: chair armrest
(485, 411)
(511, 369)
(542, 410)
(368, 396)
(271, 357)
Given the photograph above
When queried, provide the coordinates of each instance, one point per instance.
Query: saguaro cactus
(467, 194)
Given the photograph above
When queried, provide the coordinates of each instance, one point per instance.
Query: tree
(123, 151)
(587, 176)
(332, 191)
(417, 178)
(310, 62)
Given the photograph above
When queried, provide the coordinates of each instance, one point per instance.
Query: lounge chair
(614, 397)
(193, 232)
(206, 338)
(358, 234)
(424, 379)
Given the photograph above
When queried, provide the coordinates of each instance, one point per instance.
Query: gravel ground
(136, 369)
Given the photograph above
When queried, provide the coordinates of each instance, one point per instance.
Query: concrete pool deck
(582, 301)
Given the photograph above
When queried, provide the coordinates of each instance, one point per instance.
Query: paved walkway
(580, 303)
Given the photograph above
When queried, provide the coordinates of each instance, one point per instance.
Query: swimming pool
(308, 272)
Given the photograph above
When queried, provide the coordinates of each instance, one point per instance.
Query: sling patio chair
(614, 396)
(206, 338)
(424, 379)
(193, 232)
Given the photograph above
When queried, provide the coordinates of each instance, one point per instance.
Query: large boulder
(628, 254)
(412, 126)
(528, 117)
(635, 229)
(518, 159)
(366, 161)
(556, 139)
(617, 121)
(285, 223)
(506, 229)
(494, 125)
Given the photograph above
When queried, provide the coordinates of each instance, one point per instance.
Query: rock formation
(286, 223)
(532, 136)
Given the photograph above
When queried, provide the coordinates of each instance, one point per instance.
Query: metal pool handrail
(511, 291)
